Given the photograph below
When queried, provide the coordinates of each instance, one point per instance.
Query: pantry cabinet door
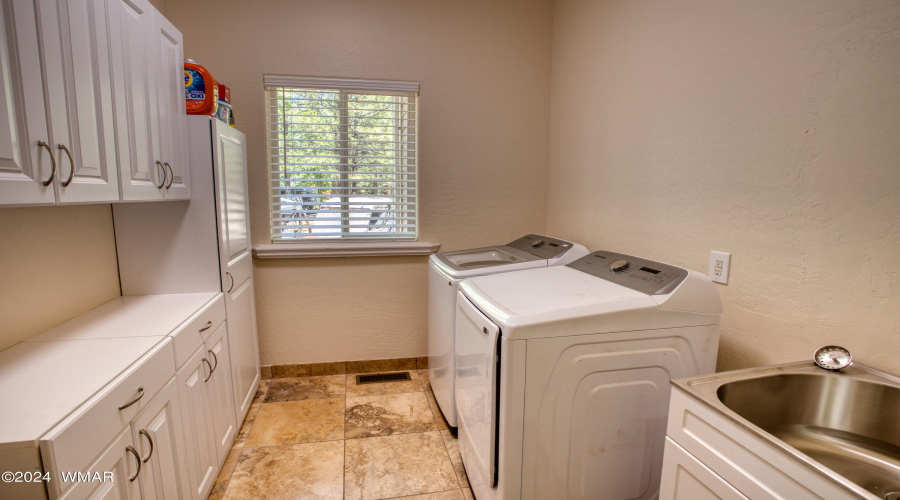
(24, 164)
(169, 80)
(75, 42)
(158, 433)
(141, 170)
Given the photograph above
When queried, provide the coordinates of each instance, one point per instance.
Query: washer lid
(552, 292)
(479, 261)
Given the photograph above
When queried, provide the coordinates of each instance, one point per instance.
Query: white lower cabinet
(113, 475)
(204, 384)
(685, 478)
(107, 415)
(158, 438)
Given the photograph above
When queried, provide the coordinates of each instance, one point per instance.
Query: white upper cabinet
(91, 103)
(148, 76)
(169, 81)
(28, 168)
(75, 46)
(143, 174)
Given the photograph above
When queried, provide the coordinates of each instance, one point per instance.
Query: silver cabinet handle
(143, 432)
(171, 175)
(163, 183)
(216, 359)
(133, 401)
(43, 144)
(137, 457)
(210, 370)
(71, 163)
(232, 281)
(207, 327)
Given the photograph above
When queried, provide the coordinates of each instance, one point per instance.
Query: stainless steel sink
(847, 422)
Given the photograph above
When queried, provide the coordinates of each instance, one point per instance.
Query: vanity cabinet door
(160, 443)
(685, 478)
(197, 419)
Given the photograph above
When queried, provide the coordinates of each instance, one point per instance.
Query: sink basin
(845, 425)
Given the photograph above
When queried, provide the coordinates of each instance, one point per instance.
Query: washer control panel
(647, 276)
(541, 246)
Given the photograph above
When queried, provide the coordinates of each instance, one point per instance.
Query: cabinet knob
(133, 401)
(43, 144)
(216, 359)
(171, 175)
(71, 164)
(143, 432)
(137, 457)
(210, 370)
(165, 174)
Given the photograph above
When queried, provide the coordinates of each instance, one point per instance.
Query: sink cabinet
(709, 455)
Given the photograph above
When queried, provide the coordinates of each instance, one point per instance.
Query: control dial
(618, 266)
(537, 244)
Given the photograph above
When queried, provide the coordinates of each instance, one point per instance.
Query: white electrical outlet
(719, 263)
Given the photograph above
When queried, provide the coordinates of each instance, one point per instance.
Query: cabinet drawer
(75, 442)
(198, 328)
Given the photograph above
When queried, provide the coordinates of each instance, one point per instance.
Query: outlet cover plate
(719, 265)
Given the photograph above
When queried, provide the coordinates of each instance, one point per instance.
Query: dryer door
(477, 372)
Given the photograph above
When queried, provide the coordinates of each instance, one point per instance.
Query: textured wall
(55, 263)
(768, 129)
(484, 70)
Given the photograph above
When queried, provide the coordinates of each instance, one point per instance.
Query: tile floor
(326, 437)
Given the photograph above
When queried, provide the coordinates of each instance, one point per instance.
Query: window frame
(379, 244)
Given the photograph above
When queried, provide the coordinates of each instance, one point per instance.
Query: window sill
(343, 249)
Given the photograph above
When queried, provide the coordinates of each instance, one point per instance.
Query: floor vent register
(374, 378)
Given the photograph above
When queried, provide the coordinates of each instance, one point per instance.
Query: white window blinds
(342, 158)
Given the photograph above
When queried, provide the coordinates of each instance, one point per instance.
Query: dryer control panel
(647, 276)
(541, 246)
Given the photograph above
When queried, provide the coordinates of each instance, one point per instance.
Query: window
(342, 159)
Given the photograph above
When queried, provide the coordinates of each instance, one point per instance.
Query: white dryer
(445, 272)
(562, 377)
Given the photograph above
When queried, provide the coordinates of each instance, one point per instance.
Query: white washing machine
(562, 377)
(445, 272)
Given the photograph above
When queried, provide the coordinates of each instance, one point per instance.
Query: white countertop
(47, 377)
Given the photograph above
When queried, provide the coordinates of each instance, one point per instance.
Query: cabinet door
(686, 478)
(141, 170)
(75, 45)
(230, 159)
(24, 165)
(111, 473)
(221, 394)
(169, 81)
(196, 417)
(158, 434)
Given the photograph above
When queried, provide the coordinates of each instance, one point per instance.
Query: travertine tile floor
(326, 437)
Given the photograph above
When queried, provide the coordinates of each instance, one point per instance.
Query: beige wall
(484, 70)
(768, 129)
(55, 263)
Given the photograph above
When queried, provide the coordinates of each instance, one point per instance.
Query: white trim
(339, 83)
(343, 249)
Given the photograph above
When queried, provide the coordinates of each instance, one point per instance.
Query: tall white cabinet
(202, 245)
